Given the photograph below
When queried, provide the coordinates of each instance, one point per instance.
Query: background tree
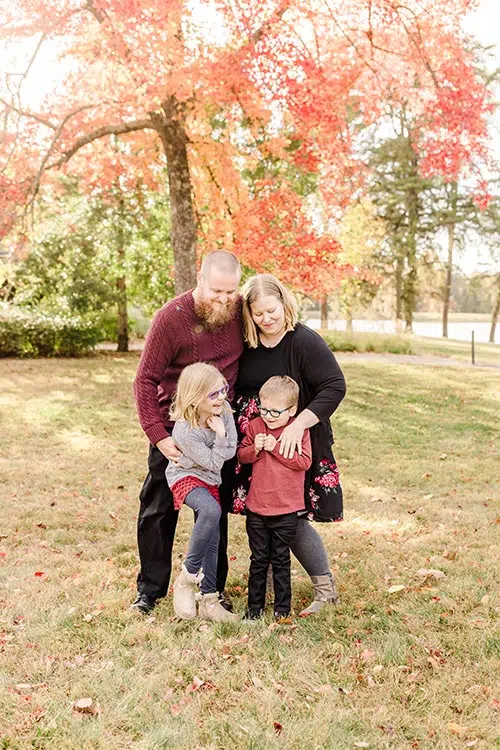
(362, 234)
(276, 73)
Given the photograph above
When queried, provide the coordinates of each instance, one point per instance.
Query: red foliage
(258, 82)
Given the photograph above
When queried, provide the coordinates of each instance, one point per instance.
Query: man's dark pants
(270, 538)
(157, 523)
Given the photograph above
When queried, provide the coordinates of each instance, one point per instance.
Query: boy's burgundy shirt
(277, 484)
(177, 338)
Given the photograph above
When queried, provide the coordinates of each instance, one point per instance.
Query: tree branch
(126, 127)
(32, 115)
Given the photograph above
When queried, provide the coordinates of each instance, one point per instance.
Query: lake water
(456, 330)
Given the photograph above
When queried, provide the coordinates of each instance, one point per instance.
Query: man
(201, 325)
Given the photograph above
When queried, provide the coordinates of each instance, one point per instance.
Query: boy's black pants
(270, 538)
(157, 523)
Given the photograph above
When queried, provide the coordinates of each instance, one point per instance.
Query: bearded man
(201, 325)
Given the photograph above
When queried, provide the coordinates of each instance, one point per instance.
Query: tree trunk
(170, 125)
(348, 319)
(449, 262)
(121, 283)
(399, 291)
(324, 312)
(412, 208)
(494, 314)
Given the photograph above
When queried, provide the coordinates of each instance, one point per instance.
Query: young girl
(205, 432)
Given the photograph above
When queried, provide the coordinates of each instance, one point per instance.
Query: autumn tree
(362, 234)
(211, 89)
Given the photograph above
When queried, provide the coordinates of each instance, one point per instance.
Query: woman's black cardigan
(322, 385)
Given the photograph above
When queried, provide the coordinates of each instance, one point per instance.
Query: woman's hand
(217, 425)
(291, 439)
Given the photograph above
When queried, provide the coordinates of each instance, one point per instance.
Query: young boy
(276, 494)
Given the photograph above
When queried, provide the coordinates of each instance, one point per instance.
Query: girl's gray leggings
(204, 542)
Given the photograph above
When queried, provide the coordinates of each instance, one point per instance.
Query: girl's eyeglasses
(275, 413)
(221, 392)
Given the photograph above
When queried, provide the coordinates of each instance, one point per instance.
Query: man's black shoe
(225, 601)
(144, 604)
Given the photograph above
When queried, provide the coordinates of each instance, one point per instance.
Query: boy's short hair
(282, 386)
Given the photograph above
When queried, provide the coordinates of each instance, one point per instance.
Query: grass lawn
(409, 659)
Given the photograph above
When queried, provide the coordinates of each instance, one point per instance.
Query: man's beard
(214, 317)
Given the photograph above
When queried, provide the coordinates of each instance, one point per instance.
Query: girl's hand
(259, 441)
(269, 442)
(290, 440)
(217, 425)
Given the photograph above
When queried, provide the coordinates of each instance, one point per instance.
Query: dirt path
(414, 359)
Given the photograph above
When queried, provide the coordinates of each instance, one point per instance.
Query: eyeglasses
(272, 412)
(221, 392)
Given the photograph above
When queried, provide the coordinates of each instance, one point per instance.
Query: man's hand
(169, 449)
(259, 441)
(217, 425)
(269, 442)
(291, 440)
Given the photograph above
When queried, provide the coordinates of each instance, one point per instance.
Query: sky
(483, 23)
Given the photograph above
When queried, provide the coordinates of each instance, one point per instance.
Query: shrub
(341, 341)
(24, 333)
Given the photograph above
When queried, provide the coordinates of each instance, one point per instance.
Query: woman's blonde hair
(266, 285)
(195, 383)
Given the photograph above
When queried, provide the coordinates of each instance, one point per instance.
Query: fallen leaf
(397, 587)
(367, 655)
(430, 573)
(456, 729)
(23, 687)
(86, 706)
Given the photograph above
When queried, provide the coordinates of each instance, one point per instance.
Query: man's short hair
(223, 261)
(281, 386)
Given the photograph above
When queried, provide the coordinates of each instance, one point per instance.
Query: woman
(278, 345)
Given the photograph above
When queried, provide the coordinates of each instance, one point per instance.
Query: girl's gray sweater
(203, 453)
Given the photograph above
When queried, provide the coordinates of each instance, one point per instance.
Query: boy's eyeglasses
(275, 413)
(221, 392)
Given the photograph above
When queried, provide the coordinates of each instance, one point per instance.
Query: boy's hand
(217, 425)
(269, 442)
(259, 441)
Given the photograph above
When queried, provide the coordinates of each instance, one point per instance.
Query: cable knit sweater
(177, 338)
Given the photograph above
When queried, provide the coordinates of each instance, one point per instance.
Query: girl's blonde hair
(195, 383)
(266, 285)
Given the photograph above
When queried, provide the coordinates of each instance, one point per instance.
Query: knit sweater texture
(177, 338)
(203, 452)
(277, 484)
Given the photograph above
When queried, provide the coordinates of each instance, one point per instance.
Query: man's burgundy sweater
(177, 338)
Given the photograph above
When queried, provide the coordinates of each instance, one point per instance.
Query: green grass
(417, 668)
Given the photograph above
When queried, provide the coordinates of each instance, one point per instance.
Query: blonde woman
(276, 344)
(205, 433)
